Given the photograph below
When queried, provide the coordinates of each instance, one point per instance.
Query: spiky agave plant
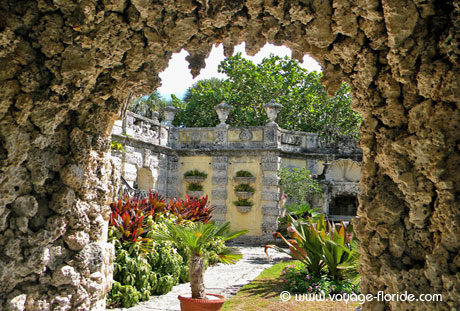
(195, 237)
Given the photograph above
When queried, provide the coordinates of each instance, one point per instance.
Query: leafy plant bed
(243, 202)
(195, 176)
(296, 278)
(244, 188)
(244, 177)
(263, 293)
(195, 173)
(244, 174)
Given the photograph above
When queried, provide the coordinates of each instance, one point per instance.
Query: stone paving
(220, 279)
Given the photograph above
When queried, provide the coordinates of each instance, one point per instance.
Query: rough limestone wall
(66, 67)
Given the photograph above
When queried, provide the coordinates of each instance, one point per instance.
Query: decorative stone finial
(272, 109)
(223, 110)
(169, 112)
(155, 116)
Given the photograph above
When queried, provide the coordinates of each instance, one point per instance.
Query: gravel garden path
(220, 279)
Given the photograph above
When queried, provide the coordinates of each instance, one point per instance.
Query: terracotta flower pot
(191, 304)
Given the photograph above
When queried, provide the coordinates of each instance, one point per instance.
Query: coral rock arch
(66, 67)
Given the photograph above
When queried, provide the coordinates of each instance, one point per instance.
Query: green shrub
(195, 187)
(244, 188)
(139, 274)
(196, 173)
(143, 266)
(300, 212)
(244, 174)
(298, 184)
(243, 202)
(327, 248)
(117, 146)
(296, 278)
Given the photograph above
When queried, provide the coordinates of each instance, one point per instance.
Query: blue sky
(177, 78)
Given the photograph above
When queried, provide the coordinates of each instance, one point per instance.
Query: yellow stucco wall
(252, 220)
(201, 163)
(205, 136)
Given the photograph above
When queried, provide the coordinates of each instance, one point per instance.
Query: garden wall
(156, 156)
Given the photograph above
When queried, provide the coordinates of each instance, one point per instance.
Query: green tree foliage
(146, 104)
(306, 106)
(197, 109)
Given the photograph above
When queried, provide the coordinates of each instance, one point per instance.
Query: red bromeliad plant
(129, 216)
(192, 208)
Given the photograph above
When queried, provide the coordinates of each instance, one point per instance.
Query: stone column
(271, 163)
(172, 181)
(221, 136)
(173, 136)
(219, 186)
(271, 136)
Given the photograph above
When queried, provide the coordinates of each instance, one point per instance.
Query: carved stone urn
(272, 109)
(223, 110)
(155, 116)
(169, 112)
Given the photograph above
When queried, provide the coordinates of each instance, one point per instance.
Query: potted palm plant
(195, 237)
